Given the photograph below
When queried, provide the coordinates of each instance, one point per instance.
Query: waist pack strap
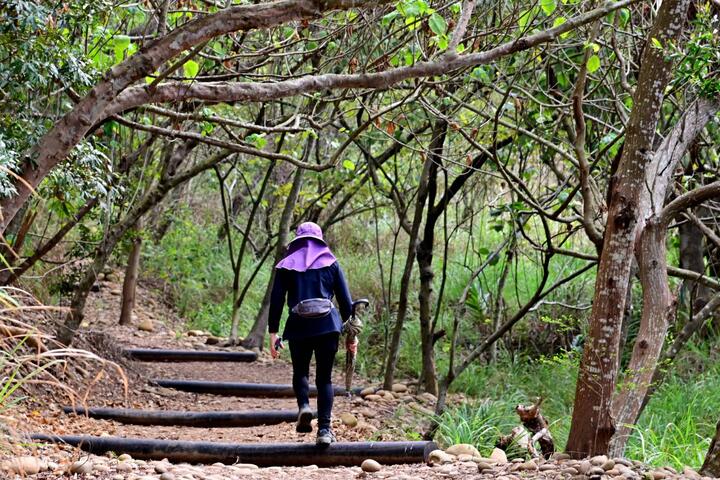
(313, 307)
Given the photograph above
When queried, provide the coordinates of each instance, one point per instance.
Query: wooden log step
(157, 355)
(233, 389)
(223, 419)
(260, 454)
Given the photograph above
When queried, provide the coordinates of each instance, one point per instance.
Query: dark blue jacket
(323, 282)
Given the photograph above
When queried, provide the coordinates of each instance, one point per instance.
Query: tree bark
(711, 466)
(592, 423)
(255, 338)
(130, 281)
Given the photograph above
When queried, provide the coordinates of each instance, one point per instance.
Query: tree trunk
(592, 423)
(130, 282)
(691, 258)
(257, 332)
(711, 466)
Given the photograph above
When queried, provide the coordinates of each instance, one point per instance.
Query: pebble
(657, 474)
(463, 449)
(349, 419)
(560, 456)
(595, 472)
(526, 466)
(117, 476)
(373, 397)
(438, 457)
(195, 333)
(124, 457)
(124, 467)
(367, 391)
(167, 476)
(569, 471)
(370, 466)
(399, 388)
(599, 460)
(483, 466)
(161, 468)
(691, 474)
(24, 465)
(608, 465)
(499, 456)
(584, 466)
(623, 461)
(81, 467)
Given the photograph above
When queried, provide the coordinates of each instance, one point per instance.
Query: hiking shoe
(325, 437)
(304, 418)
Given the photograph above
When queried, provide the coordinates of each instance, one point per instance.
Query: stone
(483, 466)
(167, 476)
(584, 466)
(438, 457)
(373, 397)
(118, 476)
(599, 460)
(161, 468)
(124, 458)
(24, 465)
(82, 467)
(349, 419)
(498, 456)
(428, 397)
(527, 466)
(623, 461)
(248, 466)
(195, 333)
(146, 325)
(464, 457)
(370, 466)
(463, 449)
(116, 292)
(213, 340)
(569, 471)
(399, 388)
(658, 474)
(559, 456)
(124, 466)
(367, 391)
(547, 467)
(691, 474)
(608, 465)
(595, 471)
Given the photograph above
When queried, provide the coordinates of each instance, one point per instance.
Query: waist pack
(313, 308)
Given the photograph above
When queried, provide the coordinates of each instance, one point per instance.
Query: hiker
(310, 276)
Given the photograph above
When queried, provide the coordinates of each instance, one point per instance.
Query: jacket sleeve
(342, 293)
(277, 302)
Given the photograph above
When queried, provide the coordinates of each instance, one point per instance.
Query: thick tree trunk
(592, 424)
(130, 282)
(692, 258)
(711, 466)
(658, 312)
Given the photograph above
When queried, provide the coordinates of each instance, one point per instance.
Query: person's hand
(273, 351)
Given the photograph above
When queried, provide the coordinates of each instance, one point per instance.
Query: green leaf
(593, 63)
(656, 43)
(624, 16)
(524, 18)
(191, 68)
(349, 165)
(548, 6)
(437, 24)
(443, 42)
(481, 74)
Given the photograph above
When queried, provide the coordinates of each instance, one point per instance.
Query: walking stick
(351, 329)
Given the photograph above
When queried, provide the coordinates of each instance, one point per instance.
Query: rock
(527, 466)
(499, 456)
(595, 471)
(584, 466)
(599, 460)
(124, 458)
(623, 461)
(428, 397)
(24, 465)
(249, 466)
(464, 457)
(463, 449)
(116, 292)
(370, 466)
(82, 467)
(691, 474)
(547, 467)
(161, 468)
(213, 340)
(111, 277)
(658, 474)
(569, 471)
(608, 465)
(101, 469)
(438, 457)
(367, 391)
(349, 419)
(167, 476)
(124, 467)
(399, 388)
(117, 477)
(559, 456)
(483, 466)
(195, 333)
(388, 396)
(146, 325)
(373, 397)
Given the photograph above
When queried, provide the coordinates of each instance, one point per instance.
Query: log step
(157, 355)
(223, 419)
(260, 454)
(233, 389)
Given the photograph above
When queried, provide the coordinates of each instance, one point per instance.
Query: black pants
(325, 347)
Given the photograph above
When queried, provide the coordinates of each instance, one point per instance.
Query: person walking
(309, 277)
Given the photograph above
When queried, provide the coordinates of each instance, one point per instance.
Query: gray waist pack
(313, 308)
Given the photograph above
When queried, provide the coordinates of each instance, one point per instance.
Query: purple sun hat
(308, 250)
(309, 230)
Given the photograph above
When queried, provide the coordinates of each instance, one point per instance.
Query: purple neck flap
(307, 254)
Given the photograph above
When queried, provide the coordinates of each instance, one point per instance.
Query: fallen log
(157, 355)
(233, 389)
(224, 419)
(260, 454)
